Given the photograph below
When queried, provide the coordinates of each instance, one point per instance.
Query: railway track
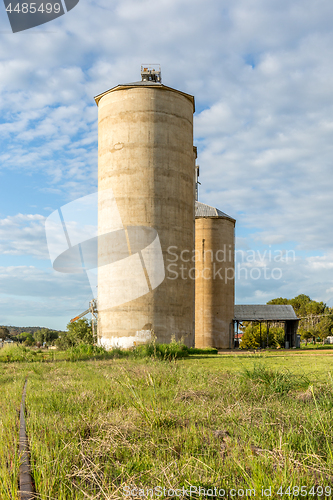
(26, 490)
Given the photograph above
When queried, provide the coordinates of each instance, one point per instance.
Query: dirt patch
(187, 396)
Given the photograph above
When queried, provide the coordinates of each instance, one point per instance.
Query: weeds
(166, 352)
(11, 353)
(280, 382)
(151, 408)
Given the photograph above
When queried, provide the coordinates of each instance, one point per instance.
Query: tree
(279, 301)
(279, 335)
(29, 341)
(26, 338)
(4, 333)
(300, 304)
(306, 334)
(250, 338)
(79, 332)
(253, 338)
(324, 328)
(45, 335)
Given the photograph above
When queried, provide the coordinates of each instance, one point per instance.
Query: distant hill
(16, 330)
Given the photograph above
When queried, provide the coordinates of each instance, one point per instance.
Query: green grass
(231, 421)
(317, 346)
(280, 382)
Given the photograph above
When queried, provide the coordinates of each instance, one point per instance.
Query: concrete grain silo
(215, 277)
(146, 156)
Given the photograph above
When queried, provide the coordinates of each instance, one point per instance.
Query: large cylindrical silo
(145, 155)
(215, 277)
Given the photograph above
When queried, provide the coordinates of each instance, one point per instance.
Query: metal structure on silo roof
(146, 157)
(215, 277)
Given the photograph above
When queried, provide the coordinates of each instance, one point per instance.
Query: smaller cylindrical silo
(215, 277)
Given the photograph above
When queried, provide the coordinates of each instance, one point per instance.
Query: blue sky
(262, 78)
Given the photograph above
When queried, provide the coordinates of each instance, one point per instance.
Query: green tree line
(77, 333)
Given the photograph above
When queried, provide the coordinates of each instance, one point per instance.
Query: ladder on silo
(93, 310)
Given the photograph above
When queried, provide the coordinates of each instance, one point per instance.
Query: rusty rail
(26, 484)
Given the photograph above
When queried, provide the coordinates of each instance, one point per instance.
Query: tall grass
(97, 426)
(174, 350)
(15, 352)
(278, 381)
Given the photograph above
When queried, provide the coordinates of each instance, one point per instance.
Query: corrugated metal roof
(203, 210)
(264, 312)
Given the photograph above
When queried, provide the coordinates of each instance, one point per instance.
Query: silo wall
(215, 281)
(145, 155)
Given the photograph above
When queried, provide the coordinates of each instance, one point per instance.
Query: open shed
(268, 314)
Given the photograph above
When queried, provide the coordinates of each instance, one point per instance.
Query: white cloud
(261, 73)
(23, 234)
(265, 278)
(30, 281)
